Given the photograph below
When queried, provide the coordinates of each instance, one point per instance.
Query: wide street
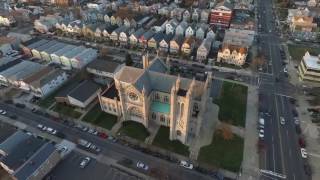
(282, 152)
(113, 150)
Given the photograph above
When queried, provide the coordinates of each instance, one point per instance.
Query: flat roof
(55, 48)
(64, 50)
(84, 90)
(312, 62)
(45, 46)
(86, 53)
(21, 68)
(11, 142)
(74, 52)
(37, 44)
(6, 131)
(104, 65)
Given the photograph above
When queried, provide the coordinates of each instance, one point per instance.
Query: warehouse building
(66, 58)
(84, 58)
(56, 47)
(55, 57)
(36, 51)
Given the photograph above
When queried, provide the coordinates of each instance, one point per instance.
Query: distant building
(309, 68)
(232, 54)
(221, 15)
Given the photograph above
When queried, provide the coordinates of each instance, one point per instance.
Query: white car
(282, 121)
(261, 133)
(296, 121)
(261, 121)
(304, 153)
(84, 162)
(143, 166)
(185, 164)
(3, 112)
(51, 131)
(285, 70)
(40, 126)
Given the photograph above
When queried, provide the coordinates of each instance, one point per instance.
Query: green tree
(129, 60)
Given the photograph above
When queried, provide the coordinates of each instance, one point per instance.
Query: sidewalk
(250, 163)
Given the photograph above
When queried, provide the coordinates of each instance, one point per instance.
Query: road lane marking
(277, 124)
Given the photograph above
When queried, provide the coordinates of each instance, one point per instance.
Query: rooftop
(84, 90)
(6, 131)
(111, 93)
(103, 65)
(312, 62)
(160, 107)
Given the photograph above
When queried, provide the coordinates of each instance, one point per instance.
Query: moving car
(3, 112)
(84, 162)
(143, 166)
(304, 153)
(185, 164)
(282, 121)
(296, 121)
(51, 131)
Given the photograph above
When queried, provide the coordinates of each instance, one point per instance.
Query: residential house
(160, 25)
(221, 15)
(175, 44)
(153, 43)
(124, 36)
(134, 38)
(143, 40)
(165, 43)
(232, 54)
(196, 15)
(82, 59)
(6, 19)
(171, 26)
(204, 15)
(186, 16)
(55, 56)
(211, 34)
(45, 23)
(201, 31)
(36, 52)
(46, 54)
(181, 28)
(114, 36)
(188, 45)
(65, 59)
(177, 13)
(189, 31)
(33, 43)
(107, 17)
(204, 49)
(108, 31)
(143, 21)
(44, 82)
(103, 70)
(243, 19)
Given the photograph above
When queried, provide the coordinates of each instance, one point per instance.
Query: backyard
(66, 110)
(162, 140)
(97, 117)
(233, 103)
(298, 51)
(134, 130)
(226, 154)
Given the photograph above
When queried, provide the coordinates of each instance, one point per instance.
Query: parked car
(304, 153)
(282, 121)
(261, 133)
(84, 162)
(296, 121)
(51, 131)
(143, 166)
(302, 142)
(3, 112)
(102, 135)
(185, 164)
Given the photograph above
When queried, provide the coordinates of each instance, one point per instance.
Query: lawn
(66, 110)
(226, 154)
(162, 140)
(233, 103)
(298, 51)
(47, 101)
(134, 130)
(97, 117)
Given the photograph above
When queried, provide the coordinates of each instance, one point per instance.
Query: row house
(171, 26)
(6, 19)
(153, 43)
(189, 31)
(175, 44)
(134, 38)
(143, 40)
(160, 25)
(201, 31)
(116, 33)
(186, 16)
(165, 11)
(195, 15)
(204, 49)
(221, 15)
(164, 44)
(232, 54)
(124, 36)
(177, 13)
(188, 45)
(204, 16)
(181, 28)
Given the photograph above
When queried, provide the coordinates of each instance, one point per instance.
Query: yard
(162, 140)
(66, 110)
(233, 103)
(134, 130)
(47, 101)
(226, 154)
(97, 117)
(298, 51)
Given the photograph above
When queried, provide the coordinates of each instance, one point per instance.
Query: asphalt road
(113, 150)
(282, 153)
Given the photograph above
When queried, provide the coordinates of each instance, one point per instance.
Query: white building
(66, 58)
(55, 57)
(309, 68)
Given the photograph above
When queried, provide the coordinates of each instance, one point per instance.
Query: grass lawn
(233, 103)
(226, 154)
(100, 118)
(66, 110)
(162, 140)
(46, 102)
(134, 130)
(298, 51)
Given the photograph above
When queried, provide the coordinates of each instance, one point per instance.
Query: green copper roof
(160, 107)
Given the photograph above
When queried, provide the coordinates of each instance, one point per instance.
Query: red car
(302, 143)
(103, 135)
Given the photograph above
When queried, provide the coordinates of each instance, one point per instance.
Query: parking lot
(69, 168)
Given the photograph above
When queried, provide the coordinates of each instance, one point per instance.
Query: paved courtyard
(69, 169)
